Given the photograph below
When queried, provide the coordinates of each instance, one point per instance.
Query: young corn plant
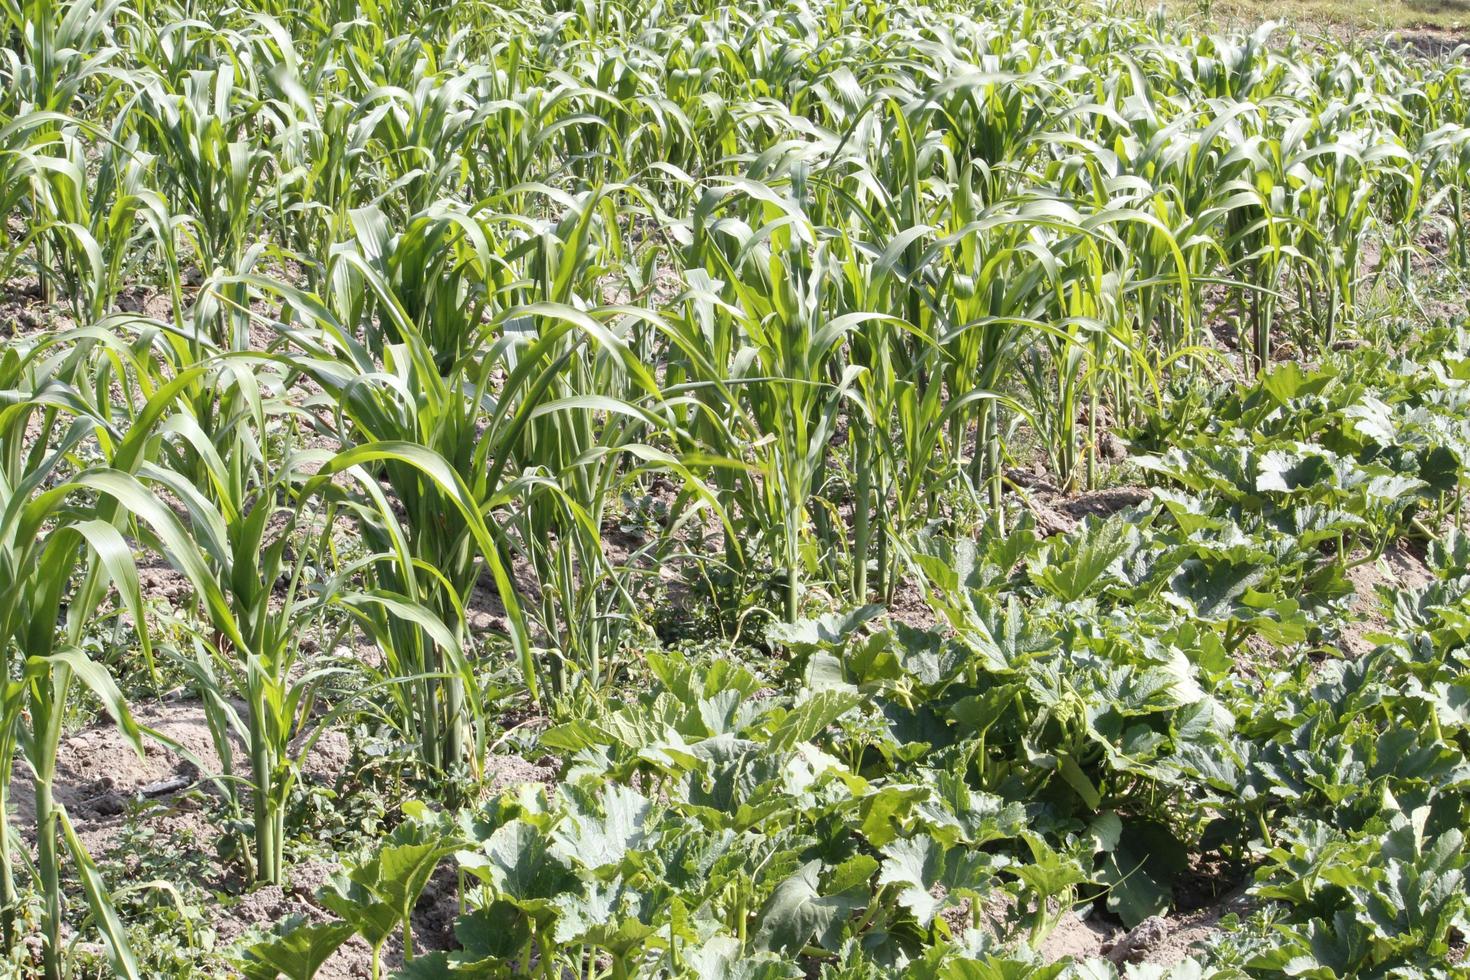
(59, 51)
(442, 275)
(468, 422)
(215, 181)
(253, 554)
(257, 552)
(98, 221)
(69, 566)
(63, 575)
(572, 441)
(785, 381)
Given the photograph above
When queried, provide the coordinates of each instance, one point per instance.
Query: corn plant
(414, 413)
(238, 548)
(64, 551)
(215, 182)
(91, 233)
(785, 380)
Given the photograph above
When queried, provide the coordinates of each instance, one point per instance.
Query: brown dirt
(100, 775)
(147, 302)
(109, 790)
(1399, 567)
(1061, 513)
(1161, 941)
(506, 772)
(1430, 42)
(910, 607)
(22, 313)
(1196, 929)
(1102, 503)
(102, 780)
(1081, 939)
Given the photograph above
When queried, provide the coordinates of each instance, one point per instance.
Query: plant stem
(50, 879)
(267, 849)
(861, 516)
(7, 878)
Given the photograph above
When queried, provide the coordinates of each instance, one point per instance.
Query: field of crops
(789, 488)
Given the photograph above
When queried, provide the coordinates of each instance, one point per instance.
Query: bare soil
(1399, 567)
(110, 791)
(1061, 513)
(1159, 940)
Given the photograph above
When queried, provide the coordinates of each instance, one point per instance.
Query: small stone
(1139, 940)
(109, 804)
